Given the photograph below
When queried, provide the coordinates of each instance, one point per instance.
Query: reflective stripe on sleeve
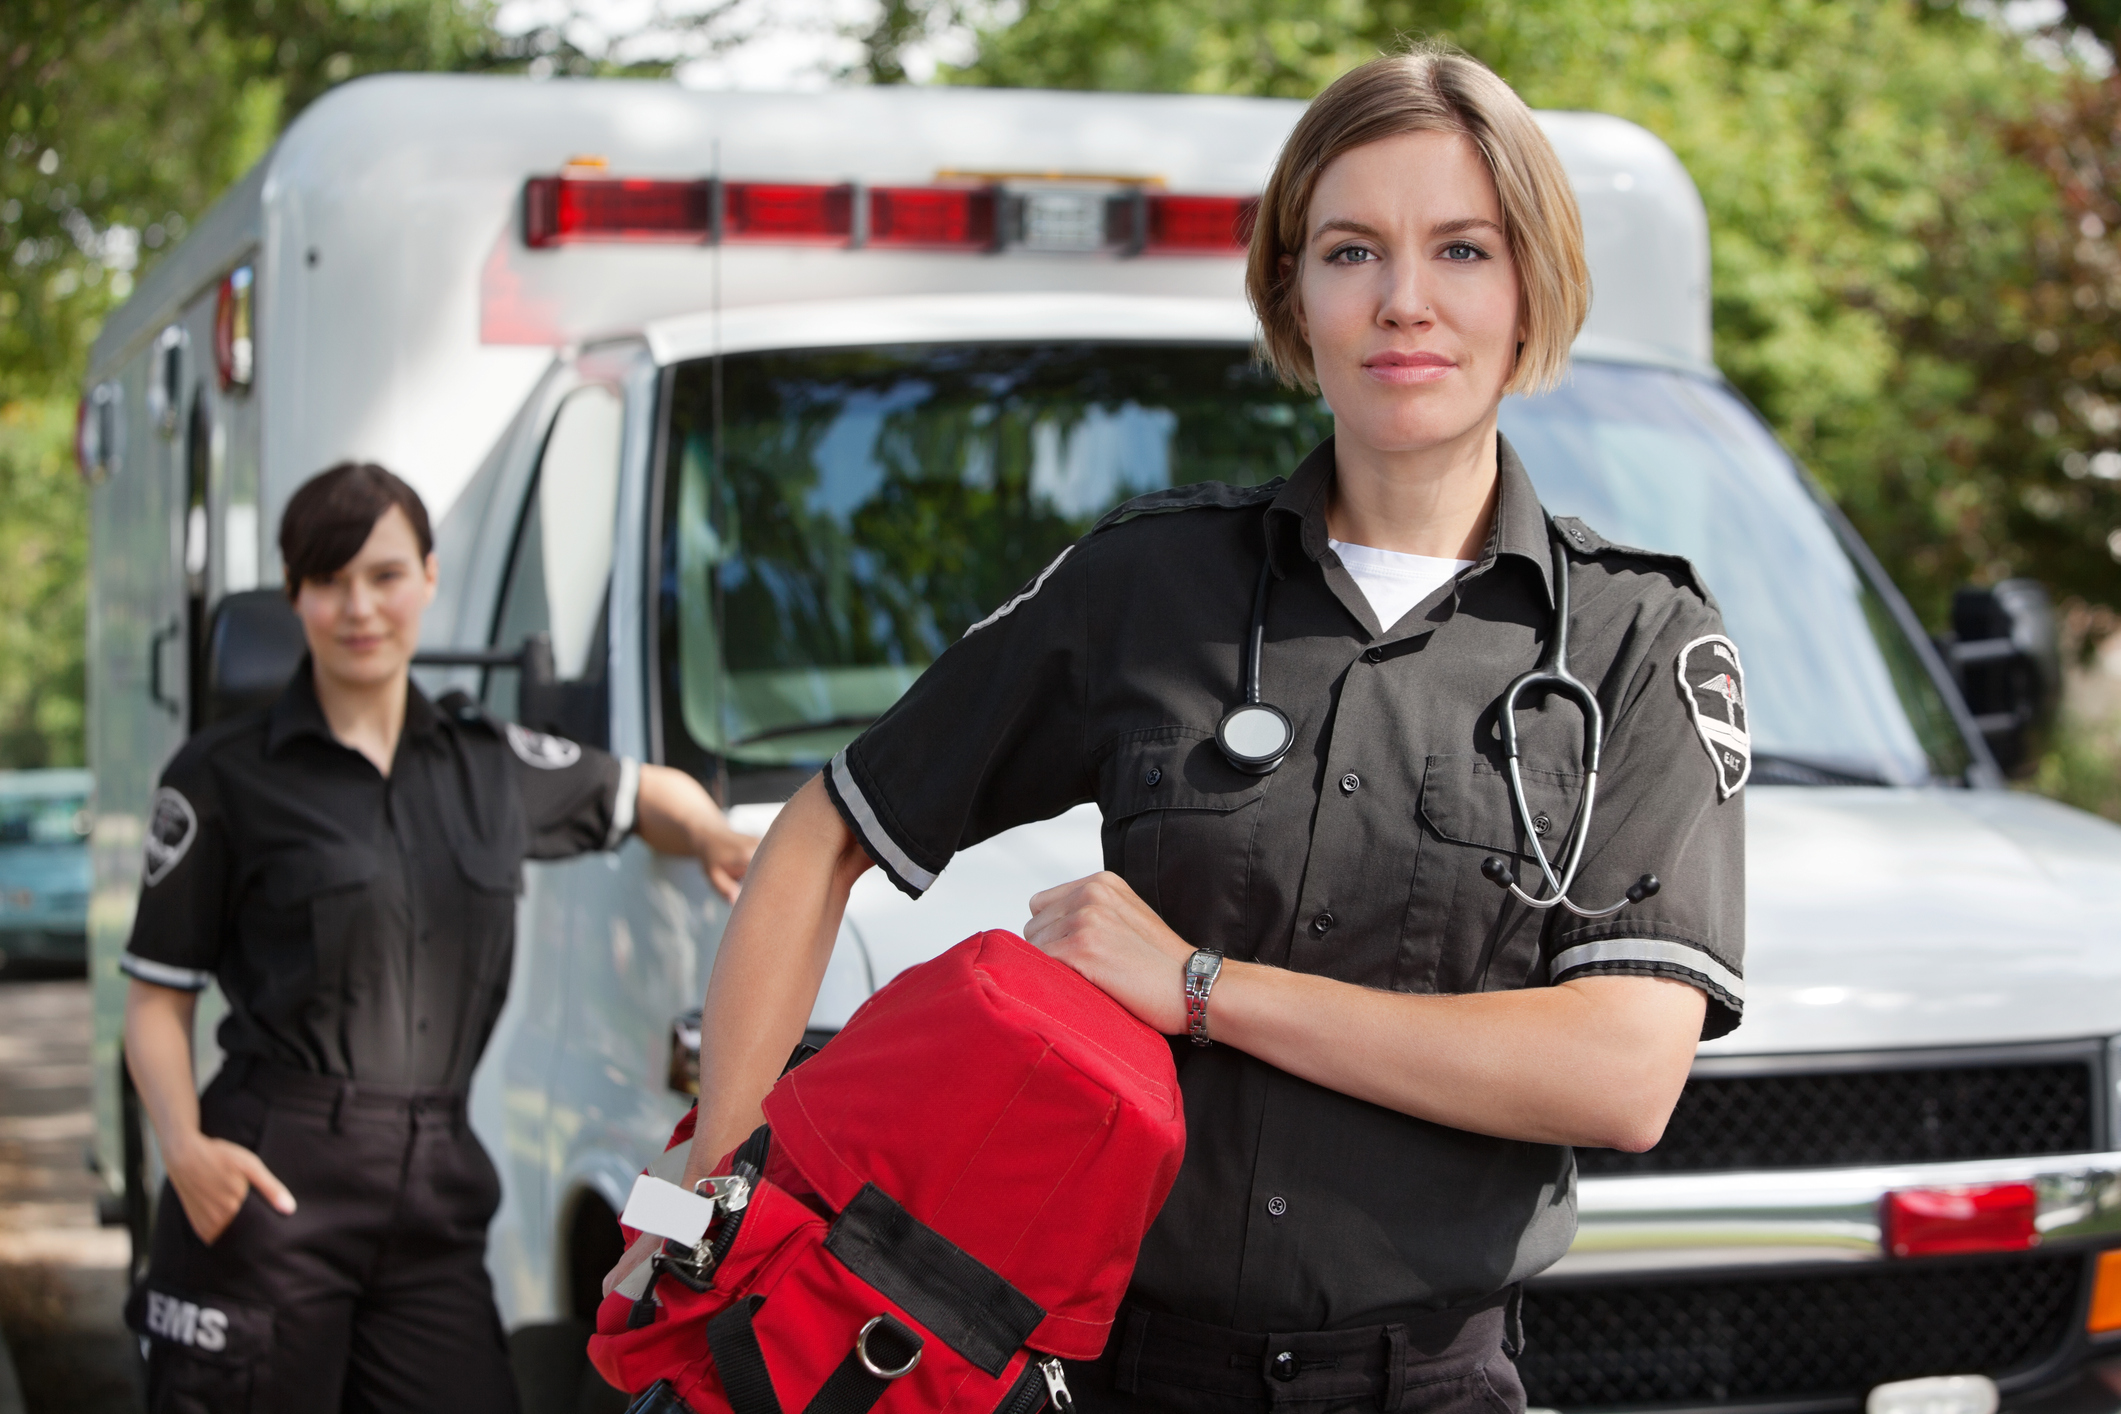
(874, 835)
(626, 804)
(1679, 955)
(183, 979)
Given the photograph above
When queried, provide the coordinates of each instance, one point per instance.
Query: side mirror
(579, 711)
(252, 648)
(2007, 656)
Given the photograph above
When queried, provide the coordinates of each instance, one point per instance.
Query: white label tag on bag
(667, 1210)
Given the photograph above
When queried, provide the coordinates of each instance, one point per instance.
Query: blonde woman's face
(1408, 295)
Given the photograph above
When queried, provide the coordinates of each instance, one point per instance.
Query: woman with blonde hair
(1319, 872)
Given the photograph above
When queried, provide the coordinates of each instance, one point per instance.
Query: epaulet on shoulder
(1589, 544)
(1199, 496)
(462, 708)
(209, 739)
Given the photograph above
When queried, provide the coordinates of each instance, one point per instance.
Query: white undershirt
(1393, 581)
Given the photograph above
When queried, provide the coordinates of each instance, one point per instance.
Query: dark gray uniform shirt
(1299, 1208)
(361, 926)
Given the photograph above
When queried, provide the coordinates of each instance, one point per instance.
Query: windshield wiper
(801, 728)
(1771, 768)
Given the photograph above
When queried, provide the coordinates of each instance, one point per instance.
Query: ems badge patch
(547, 753)
(1713, 684)
(170, 832)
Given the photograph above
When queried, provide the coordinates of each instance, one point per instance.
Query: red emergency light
(564, 210)
(568, 209)
(1947, 1222)
(1199, 225)
(235, 336)
(938, 218)
(787, 211)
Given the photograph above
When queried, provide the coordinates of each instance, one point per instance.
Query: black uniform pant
(1455, 1361)
(372, 1295)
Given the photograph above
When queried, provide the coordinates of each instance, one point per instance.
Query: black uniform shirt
(1299, 1208)
(361, 925)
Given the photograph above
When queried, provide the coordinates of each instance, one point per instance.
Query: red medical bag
(942, 1200)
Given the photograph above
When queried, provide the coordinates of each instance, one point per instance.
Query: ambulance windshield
(873, 502)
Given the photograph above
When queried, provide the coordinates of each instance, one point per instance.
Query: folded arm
(1598, 1061)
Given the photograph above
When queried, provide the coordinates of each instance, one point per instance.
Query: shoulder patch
(172, 825)
(1589, 543)
(1713, 684)
(1198, 496)
(547, 753)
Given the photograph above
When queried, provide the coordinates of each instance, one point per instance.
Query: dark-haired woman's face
(364, 622)
(1408, 292)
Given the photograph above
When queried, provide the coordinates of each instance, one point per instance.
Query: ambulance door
(150, 563)
(603, 941)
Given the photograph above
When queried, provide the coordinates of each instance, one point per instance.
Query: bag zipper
(1040, 1384)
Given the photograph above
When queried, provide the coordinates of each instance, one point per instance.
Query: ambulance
(734, 409)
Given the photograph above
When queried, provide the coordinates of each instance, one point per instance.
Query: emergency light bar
(1107, 217)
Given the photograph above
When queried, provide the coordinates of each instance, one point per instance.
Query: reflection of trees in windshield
(882, 500)
(875, 502)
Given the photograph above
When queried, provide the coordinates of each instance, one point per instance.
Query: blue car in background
(44, 867)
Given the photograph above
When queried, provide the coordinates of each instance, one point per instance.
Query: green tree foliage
(1896, 284)
(43, 549)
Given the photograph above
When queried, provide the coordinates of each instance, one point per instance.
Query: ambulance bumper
(1719, 1221)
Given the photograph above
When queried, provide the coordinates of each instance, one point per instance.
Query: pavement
(62, 1277)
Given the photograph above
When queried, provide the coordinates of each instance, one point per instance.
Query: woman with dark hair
(345, 864)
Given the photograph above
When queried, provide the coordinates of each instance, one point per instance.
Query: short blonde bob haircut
(1429, 88)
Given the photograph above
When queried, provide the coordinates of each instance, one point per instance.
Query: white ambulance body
(573, 314)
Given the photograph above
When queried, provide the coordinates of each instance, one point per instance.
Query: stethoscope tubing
(1552, 675)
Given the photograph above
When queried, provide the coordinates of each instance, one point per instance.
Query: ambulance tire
(551, 1360)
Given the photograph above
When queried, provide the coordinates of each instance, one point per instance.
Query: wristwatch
(1202, 969)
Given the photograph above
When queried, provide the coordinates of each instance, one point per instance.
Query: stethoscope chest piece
(1255, 736)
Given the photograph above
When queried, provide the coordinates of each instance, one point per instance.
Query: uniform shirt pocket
(1466, 800)
(1179, 822)
(1465, 934)
(489, 868)
(327, 895)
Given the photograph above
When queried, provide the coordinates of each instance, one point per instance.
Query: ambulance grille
(1818, 1340)
(1839, 1118)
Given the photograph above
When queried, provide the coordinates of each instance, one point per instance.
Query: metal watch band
(1202, 969)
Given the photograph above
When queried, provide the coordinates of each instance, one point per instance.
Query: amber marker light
(2104, 1317)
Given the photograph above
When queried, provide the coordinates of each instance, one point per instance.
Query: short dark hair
(331, 517)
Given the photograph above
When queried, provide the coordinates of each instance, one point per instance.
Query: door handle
(155, 694)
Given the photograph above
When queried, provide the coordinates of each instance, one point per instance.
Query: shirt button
(1350, 783)
(1542, 822)
(1277, 1206)
(1373, 655)
(1156, 774)
(1285, 1366)
(1322, 924)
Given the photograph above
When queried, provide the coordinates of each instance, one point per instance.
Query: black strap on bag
(968, 1305)
(662, 1397)
(887, 1350)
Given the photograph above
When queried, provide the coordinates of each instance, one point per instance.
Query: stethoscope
(1255, 736)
